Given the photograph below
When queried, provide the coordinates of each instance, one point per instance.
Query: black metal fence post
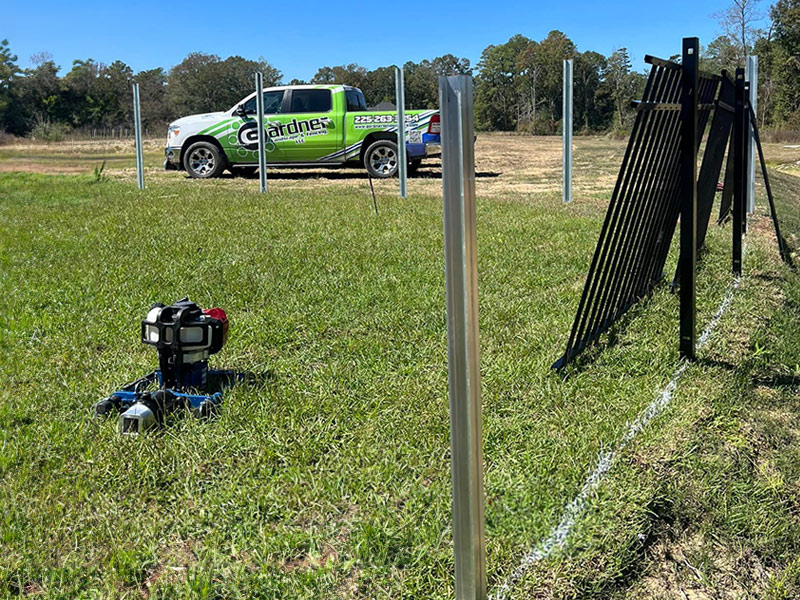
(688, 187)
(739, 162)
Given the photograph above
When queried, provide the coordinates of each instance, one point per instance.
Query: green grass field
(327, 474)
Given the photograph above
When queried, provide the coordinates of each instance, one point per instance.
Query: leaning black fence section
(719, 136)
(643, 213)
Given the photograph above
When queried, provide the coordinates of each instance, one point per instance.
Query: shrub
(50, 132)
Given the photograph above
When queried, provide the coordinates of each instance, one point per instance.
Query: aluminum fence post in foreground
(687, 260)
(463, 364)
(262, 151)
(137, 127)
(566, 132)
(402, 159)
(751, 75)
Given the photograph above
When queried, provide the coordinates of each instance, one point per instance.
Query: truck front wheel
(203, 160)
(380, 159)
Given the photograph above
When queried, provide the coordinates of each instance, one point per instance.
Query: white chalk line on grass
(558, 536)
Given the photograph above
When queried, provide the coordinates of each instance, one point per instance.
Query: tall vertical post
(751, 75)
(739, 167)
(402, 159)
(137, 127)
(566, 133)
(463, 365)
(688, 191)
(262, 138)
(746, 153)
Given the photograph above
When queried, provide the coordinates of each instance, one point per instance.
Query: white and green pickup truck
(305, 125)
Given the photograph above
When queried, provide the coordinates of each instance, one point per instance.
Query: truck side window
(355, 101)
(272, 103)
(311, 101)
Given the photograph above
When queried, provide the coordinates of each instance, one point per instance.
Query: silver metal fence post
(566, 132)
(402, 159)
(751, 74)
(262, 150)
(137, 126)
(461, 279)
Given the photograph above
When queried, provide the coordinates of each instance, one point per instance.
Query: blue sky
(299, 37)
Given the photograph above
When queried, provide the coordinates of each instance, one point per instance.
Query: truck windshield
(272, 103)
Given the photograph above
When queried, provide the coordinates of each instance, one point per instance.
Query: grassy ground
(327, 475)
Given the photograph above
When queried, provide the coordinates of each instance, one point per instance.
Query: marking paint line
(558, 536)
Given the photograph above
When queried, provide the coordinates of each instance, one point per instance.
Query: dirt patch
(349, 587)
(311, 561)
(517, 165)
(695, 568)
(171, 567)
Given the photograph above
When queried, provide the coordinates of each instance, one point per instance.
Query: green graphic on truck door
(240, 139)
(311, 130)
(305, 134)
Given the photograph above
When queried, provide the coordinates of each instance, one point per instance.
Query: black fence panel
(643, 212)
(719, 136)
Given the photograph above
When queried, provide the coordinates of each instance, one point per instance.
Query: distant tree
(39, 58)
(81, 95)
(41, 95)
(115, 95)
(737, 23)
(528, 81)
(590, 102)
(552, 52)
(11, 118)
(379, 86)
(621, 84)
(496, 98)
(451, 65)
(351, 74)
(785, 16)
(785, 63)
(421, 87)
(721, 53)
(422, 79)
(156, 111)
(204, 82)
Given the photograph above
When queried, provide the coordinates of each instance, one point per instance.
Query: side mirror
(240, 111)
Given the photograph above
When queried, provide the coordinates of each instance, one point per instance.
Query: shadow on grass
(357, 173)
(609, 337)
(222, 380)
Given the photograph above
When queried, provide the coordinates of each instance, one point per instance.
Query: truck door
(241, 144)
(312, 130)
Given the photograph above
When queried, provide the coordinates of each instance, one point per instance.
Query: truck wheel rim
(201, 161)
(383, 160)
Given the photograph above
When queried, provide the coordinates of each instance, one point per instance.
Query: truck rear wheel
(380, 159)
(203, 160)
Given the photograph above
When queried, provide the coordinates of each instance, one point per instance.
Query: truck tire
(380, 159)
(413, 165)
(203, 160)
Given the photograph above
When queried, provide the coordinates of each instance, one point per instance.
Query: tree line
(518, 84)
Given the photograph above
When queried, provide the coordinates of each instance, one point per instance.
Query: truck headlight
(173, 131)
